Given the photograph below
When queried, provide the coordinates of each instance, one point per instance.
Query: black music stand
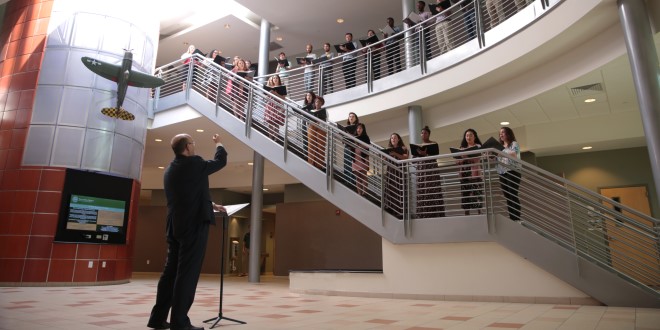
(225, 217)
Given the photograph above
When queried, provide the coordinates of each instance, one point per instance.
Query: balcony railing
(465, 25)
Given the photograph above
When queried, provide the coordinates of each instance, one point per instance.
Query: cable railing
(461, 23)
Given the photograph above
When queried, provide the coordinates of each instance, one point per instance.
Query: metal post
(256, 205)
(645, 70)
(414, 129)
(479, 24)
(408, 6)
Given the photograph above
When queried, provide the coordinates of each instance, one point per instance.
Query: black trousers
(348, 67)
(510, 182)
(393, 57)
(178, 282)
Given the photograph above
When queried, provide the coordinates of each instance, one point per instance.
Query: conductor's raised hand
(216, 138)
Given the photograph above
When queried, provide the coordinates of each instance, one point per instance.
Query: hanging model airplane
(124, 76)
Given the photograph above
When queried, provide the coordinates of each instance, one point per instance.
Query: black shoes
(163, 325)
(190, 327)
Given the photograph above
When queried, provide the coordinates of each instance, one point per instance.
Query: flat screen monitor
(94, 208)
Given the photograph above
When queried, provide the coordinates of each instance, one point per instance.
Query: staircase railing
(614, 236)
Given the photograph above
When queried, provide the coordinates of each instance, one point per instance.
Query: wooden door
(628, 246)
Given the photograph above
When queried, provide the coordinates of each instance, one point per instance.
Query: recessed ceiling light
(227, 26)
(265, 189)
(161, 167)
(340, 20)
(158, 140)
(250, 164)
(504, 123)
(279, 38)
(589, 100)
(200, 130)
(587, 148)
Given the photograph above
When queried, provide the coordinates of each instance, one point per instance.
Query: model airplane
(124, 76)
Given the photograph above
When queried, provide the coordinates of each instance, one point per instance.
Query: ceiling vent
(274, 46)
(587, 89)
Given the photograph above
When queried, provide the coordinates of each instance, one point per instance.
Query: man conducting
(189, 213)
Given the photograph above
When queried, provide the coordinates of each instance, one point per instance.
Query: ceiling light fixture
(587, 148)
(265, 189)
(279, 38)
(340, 20)
(227, 26)
(250, 164)
(200, 130)
(504, 123)
(161, 167)
(589, 100)
(158, 140)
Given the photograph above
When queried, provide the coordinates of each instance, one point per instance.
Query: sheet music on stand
(231, 209)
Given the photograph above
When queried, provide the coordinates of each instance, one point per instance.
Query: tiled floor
(270, 305)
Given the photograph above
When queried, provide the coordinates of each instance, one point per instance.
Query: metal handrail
(436, 186)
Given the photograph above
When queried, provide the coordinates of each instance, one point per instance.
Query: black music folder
(368, 41)
(304, 60)
(279, 89)
(320, 59)
(431, 149)
(245, 74)
(349, 46)
(350, 129)
(284, 62)
(398, 150)
(455, 150)
(492, 143)
(219, 60)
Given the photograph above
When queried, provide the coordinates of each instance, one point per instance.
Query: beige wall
(481, 271)
(606, 169)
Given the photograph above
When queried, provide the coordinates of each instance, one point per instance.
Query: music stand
(231, 209)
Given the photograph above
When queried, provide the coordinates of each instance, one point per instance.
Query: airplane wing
(139, 79)
(103, 69)
(112, 71)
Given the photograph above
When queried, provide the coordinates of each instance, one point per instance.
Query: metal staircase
(599, 246)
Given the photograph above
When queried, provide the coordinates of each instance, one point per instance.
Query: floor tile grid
(270, 305)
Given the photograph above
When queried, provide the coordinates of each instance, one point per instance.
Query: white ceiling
(299, 23)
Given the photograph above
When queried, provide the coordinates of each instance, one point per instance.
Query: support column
(407, 7)
(415, 123)
(645, 70)
(414, 128)
(254, 270)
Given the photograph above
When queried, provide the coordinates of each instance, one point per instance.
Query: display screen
(95, 214)
(94, 208)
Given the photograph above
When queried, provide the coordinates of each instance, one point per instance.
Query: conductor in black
(189, 214)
